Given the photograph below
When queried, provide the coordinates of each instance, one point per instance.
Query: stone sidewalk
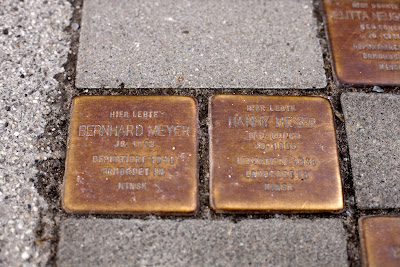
(191, 48)
(273, 242)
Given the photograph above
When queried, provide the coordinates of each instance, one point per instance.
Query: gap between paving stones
(51, 170)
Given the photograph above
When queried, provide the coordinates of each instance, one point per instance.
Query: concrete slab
(33, 48)
(372, 122)
(274, 242)
(199, 44)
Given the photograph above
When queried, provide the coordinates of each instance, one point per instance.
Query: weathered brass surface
(364, 38)
(380, 241)
(132, 154)
(270, 153)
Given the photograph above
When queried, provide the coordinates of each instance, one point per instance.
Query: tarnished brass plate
(132, 154)
(364, 38)
(380, 241)
(273, 153)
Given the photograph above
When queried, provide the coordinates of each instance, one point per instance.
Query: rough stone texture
(372, 122)
(199, 44)
(271, 242)
(33, 49)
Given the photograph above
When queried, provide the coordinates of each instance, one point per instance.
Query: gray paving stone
(273, 242)
(33, 48)
(372, 126)
(199, 44)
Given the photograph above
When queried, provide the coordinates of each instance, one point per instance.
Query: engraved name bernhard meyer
(132, 130)
(133, 165)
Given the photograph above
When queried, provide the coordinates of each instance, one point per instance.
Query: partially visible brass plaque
(273, 153)
(365, 40)
(380, 241)
(132, 154)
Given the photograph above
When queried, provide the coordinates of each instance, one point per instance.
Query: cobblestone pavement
(191, 48)
(34, 46)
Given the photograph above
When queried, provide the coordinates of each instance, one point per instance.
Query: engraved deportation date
(143, 163)
(139, 165)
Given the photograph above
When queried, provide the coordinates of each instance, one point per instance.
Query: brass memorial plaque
(273, 153)
(380, 241)
(364, 38)
(132, 154)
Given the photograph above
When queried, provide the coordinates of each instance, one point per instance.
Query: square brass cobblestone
(273, 153)
(132, 154)
(364, 38)
(380, 241)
